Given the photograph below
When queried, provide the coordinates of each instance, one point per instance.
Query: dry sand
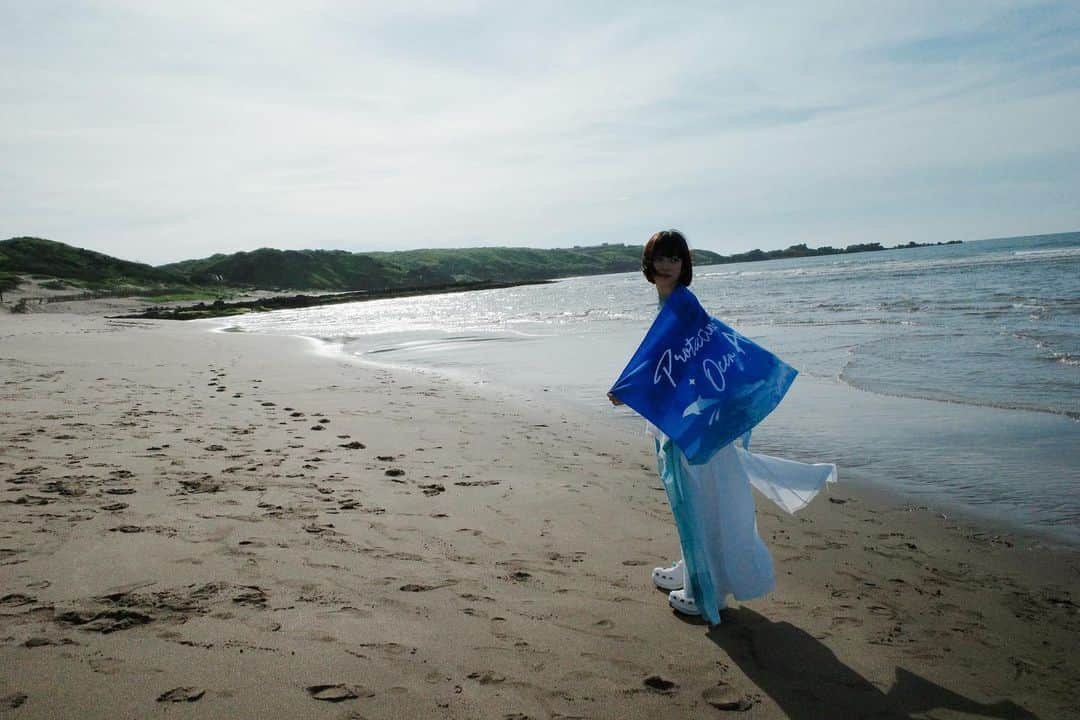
(217, 525)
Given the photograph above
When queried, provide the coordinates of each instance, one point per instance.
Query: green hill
(339, 270)
(336, 270)
(292, 269)
(36, 256)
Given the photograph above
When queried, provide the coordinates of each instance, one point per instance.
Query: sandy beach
(219, 525)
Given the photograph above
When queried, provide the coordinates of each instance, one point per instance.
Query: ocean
(949, 374)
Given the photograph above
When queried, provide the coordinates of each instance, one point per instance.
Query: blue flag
(700, 381)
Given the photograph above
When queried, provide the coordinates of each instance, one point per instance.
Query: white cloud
(158, 132)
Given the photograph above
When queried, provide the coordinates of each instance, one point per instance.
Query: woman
(712, 502)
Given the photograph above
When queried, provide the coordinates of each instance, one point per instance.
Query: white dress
(714, 512)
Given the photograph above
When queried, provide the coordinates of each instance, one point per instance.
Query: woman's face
(666, 272)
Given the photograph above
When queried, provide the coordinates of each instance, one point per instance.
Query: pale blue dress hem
(716, 520)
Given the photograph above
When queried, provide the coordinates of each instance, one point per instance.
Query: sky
(162, 131)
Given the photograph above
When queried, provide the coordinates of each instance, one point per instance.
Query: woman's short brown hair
(667, 243)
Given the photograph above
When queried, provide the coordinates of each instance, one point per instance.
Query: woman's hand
(614, 400)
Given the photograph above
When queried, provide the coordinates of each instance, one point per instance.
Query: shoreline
(972, 517)
(175, 537)
(221, 308)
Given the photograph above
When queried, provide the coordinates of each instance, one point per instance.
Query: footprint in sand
(181, 694)
(488, 677)
(252, 596)
(12, 701)
(31, 500)
(660, 685)
(203, 485)
(338, 693)
(16, 600)
(725, 697)
(39, 641)
(105, 622)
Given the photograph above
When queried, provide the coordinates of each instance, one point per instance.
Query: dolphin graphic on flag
(700, 381)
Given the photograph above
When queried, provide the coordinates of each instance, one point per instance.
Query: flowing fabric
(714, 513)
(700, 381)
(702, 386)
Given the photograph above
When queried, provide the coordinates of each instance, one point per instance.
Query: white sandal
(682, 603)
(670, 578)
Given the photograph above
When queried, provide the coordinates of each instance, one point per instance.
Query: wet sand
(225, 525)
